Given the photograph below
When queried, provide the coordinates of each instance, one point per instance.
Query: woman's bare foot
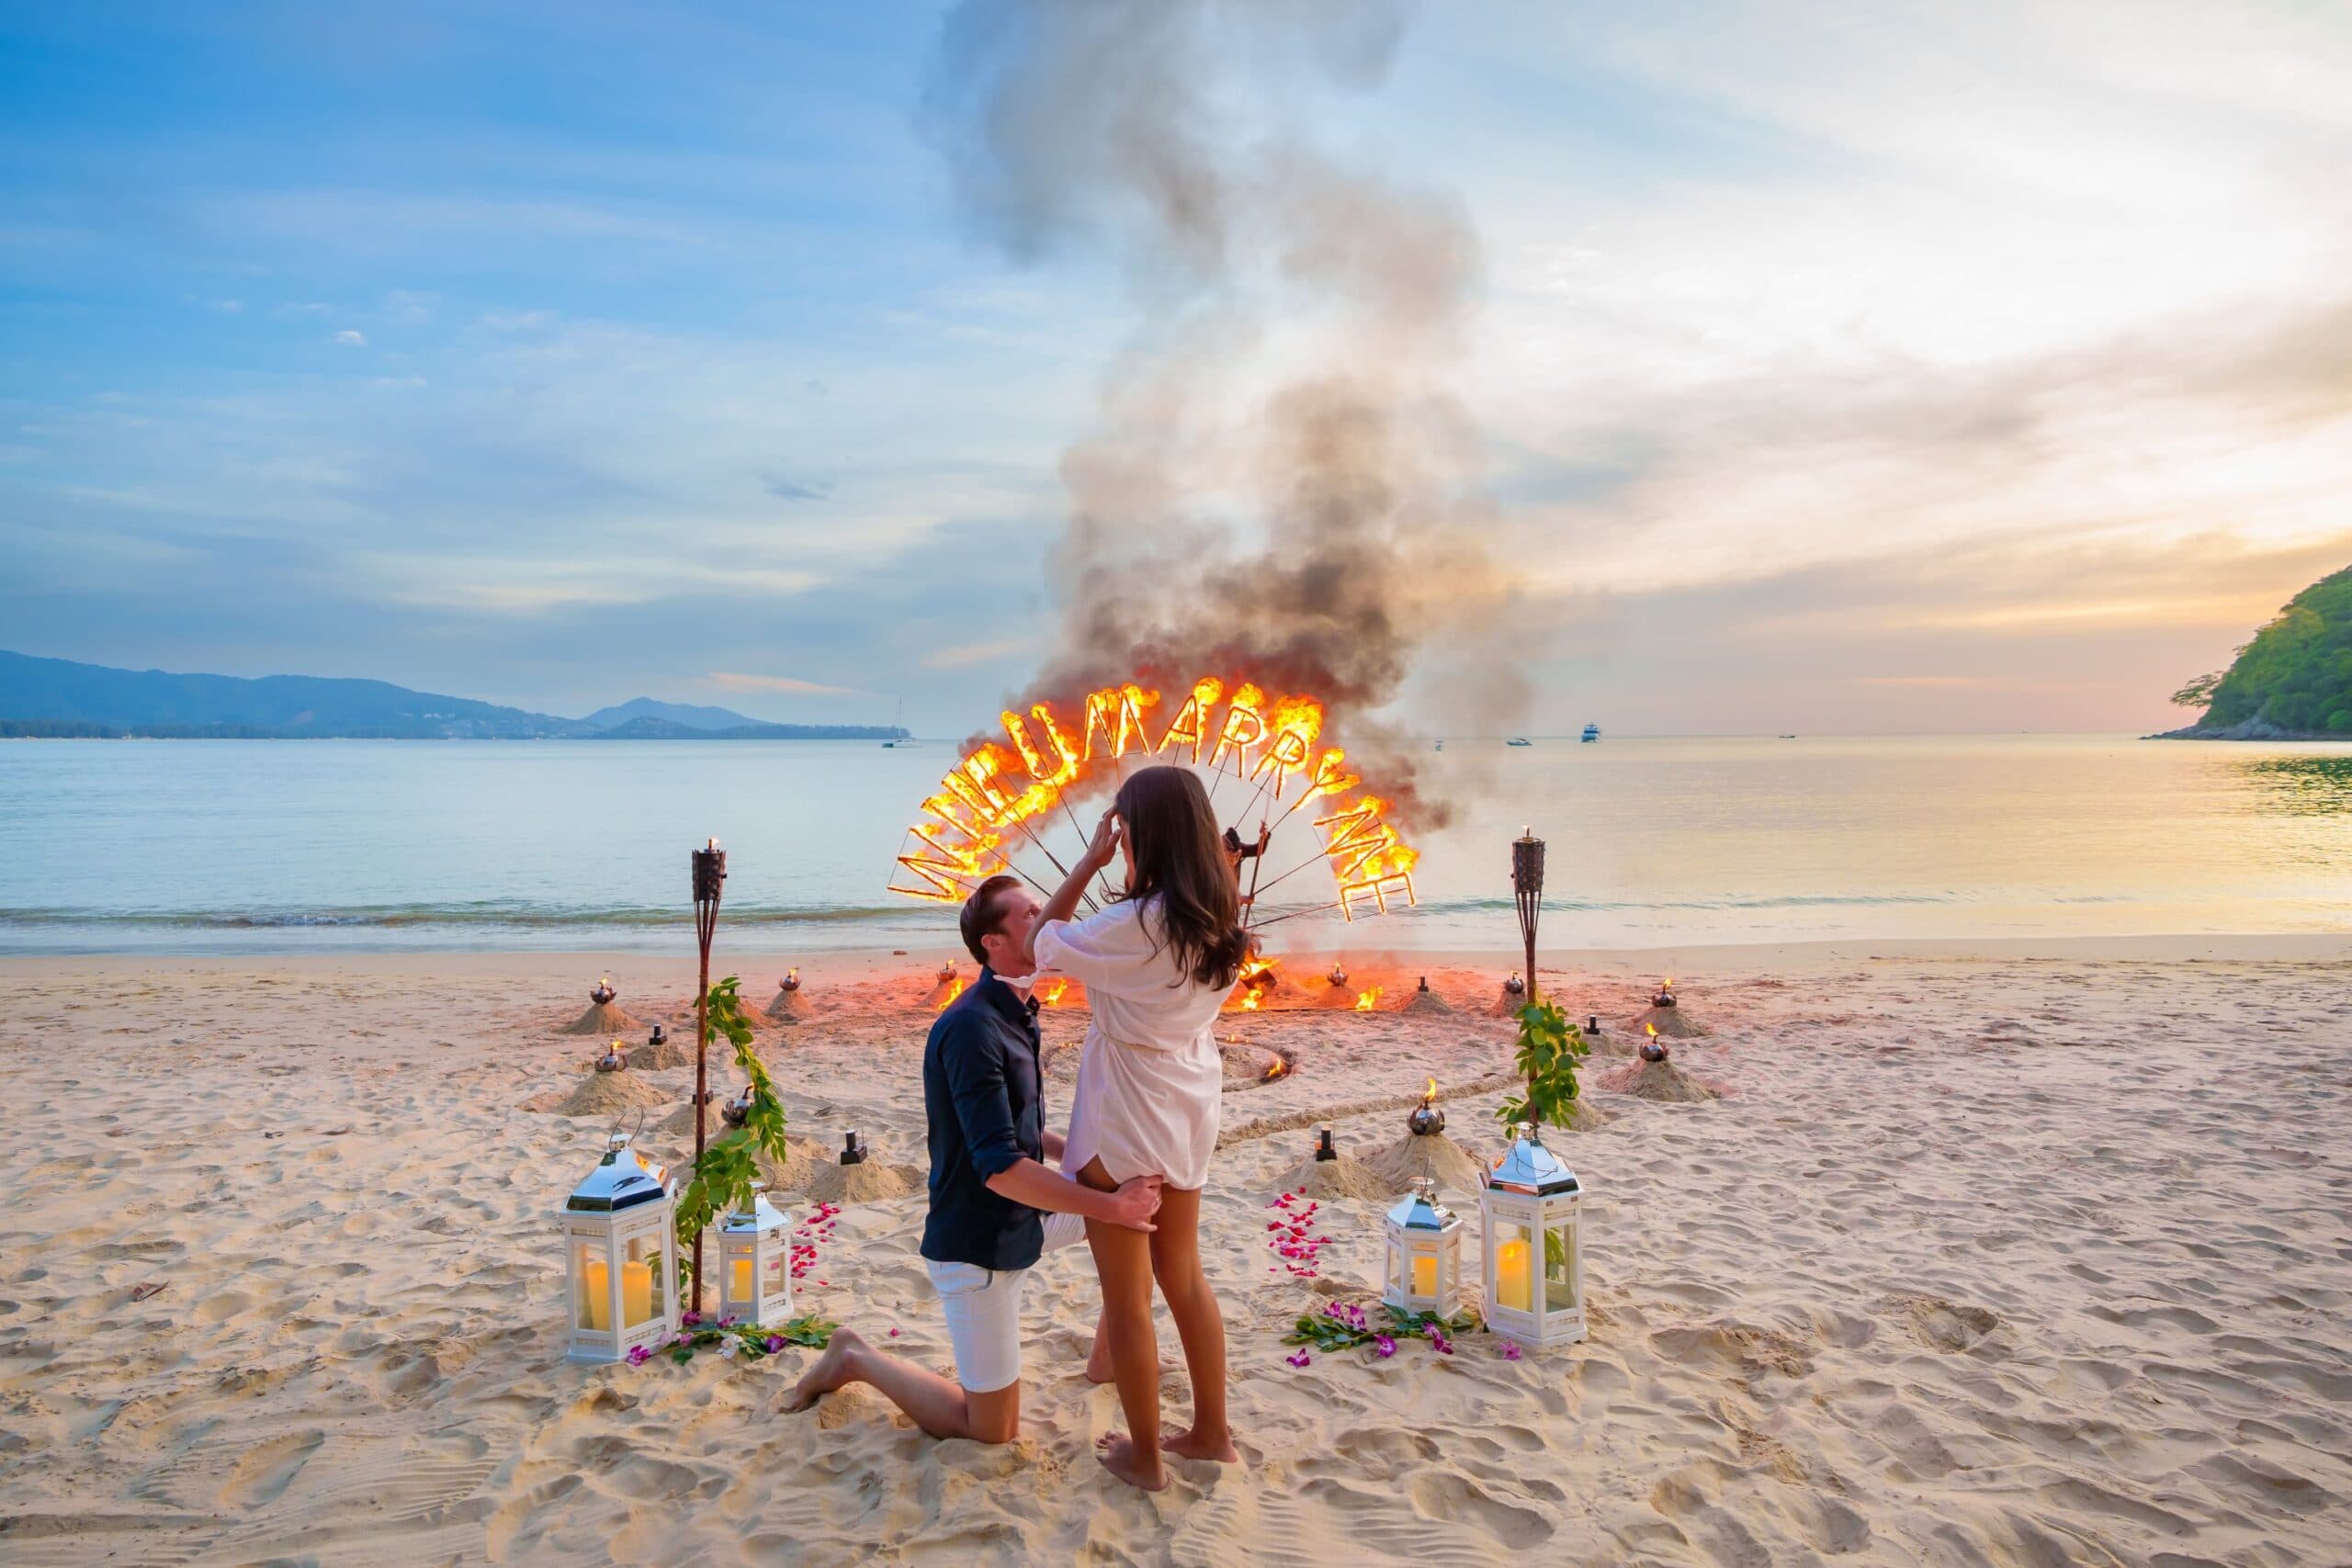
(832, 1370)
(1189, 1444)
(1118, 1451)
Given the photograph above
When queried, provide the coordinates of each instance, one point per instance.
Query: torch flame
(1249, 1001)
(1367, 1000)
(1050, 993)
(1652, 1030)
(953, 992)
(1429, 1095)
(1278, 1068)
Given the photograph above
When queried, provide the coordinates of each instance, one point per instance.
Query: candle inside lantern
(636, 1294)
(740, 1290)
(599, 1280)
(1424, 1276)
(1514, 1287)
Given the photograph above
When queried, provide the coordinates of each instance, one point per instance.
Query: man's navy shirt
(981, 1094)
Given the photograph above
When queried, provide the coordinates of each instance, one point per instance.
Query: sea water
(300, 846)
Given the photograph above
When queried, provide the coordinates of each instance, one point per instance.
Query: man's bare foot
(1189, 1444)
(1119, 1454)
(832, 1370)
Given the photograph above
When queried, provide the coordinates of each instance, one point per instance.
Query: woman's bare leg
(1123, 1261)
(1175, 1249)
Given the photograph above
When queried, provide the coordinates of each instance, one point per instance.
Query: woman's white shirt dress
(1149, 1078)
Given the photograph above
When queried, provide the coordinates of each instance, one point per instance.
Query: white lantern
(754, 1263)
(623, 1253)
(1424, 1254)
(1534, 1264)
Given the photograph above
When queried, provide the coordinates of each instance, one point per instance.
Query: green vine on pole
(1549, 1049)
(723, 1177)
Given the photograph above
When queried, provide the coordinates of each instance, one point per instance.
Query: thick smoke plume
(1279, 485)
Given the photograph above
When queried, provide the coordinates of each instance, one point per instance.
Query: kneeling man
(995, 1206)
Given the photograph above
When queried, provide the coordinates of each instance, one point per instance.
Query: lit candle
(1513, 1288)
(636, 1294)
(600, 1296)
(740, 1290)
(1424, 1276)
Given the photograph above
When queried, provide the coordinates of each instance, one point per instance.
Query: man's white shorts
(983, 1311)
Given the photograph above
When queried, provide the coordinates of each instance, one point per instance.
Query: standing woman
(1157, 962)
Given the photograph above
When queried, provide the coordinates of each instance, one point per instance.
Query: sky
(1832, 370)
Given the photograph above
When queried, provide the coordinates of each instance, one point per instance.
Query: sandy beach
(1993, 1253)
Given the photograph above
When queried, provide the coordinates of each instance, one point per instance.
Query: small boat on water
(1591, 732)
(1519, 741)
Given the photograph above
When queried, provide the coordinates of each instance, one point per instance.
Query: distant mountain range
(56, 697)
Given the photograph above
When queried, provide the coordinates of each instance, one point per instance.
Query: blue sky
(1972, 370)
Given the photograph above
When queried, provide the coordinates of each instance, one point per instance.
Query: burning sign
(994, 802)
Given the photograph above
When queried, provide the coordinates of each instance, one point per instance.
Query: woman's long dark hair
(1172, 840)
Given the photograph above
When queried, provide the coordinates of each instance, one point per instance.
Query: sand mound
(942, 992)
(1423, 1001)
(803, 1158)
(867, 1182)
(602, 1018)
(1506, 1005)
(1436, 1157)
(1671, 1021)
(1661, 1081)
(1342, 1177)
(1327, 995)
(601, 1094)
(1609, 1042)
(787, 1007)
(680, 1124)
(672, 1053)
(1246, 1064)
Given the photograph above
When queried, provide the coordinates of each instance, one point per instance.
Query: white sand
(1994, 1254)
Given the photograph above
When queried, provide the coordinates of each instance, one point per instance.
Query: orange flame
(953, 992)
(984, 810)
(1367, 1000)
(1429, 1095)
(1279, 1069)
(1050, 993)
(1249, 1001)
(1652, 1028)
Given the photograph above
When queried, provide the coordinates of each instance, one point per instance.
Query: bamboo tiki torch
(1527, 882)
(710, 876)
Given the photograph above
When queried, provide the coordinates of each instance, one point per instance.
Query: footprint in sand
(267, 1472)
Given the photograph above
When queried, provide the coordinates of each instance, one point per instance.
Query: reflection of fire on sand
(604, 1016)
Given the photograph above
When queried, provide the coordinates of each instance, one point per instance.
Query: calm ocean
(309, 846)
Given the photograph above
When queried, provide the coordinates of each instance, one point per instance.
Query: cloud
(790, 490)
(350, 339)
(227, 307)
(978, 653)
(731, 680)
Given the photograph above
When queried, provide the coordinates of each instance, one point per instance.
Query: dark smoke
(1279, 485)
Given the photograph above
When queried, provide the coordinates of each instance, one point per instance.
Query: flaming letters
(995, 791)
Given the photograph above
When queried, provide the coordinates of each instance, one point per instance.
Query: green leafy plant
(740, 1341)
(1549, 1049)
(1340, 1327)
(723, 1175)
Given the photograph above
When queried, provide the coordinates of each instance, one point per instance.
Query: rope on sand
(1266, 1126)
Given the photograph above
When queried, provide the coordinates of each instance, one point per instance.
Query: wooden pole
(710, 876)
